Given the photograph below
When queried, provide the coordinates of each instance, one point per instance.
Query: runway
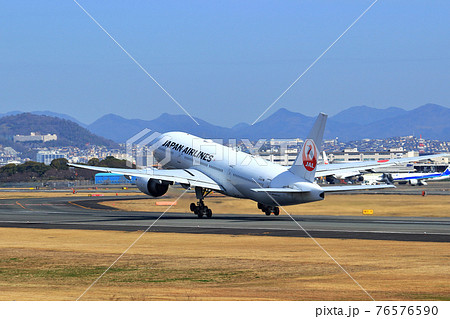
(82, 213)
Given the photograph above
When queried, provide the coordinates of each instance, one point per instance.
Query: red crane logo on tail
(309, 155)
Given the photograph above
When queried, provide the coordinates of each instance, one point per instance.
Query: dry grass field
(334, 204)
(61, 264)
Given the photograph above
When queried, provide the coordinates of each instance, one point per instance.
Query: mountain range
(355, 123)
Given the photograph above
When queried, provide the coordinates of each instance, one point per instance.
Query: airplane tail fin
(325, 158)
(306, 162)
(446, 172)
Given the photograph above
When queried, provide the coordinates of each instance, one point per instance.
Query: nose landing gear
(200, 208)
(269, 209)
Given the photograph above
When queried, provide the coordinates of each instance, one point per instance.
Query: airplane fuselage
(237, 172)
(414, 176)
(420, 178)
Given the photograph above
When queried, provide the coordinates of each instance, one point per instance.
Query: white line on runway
(225, 227)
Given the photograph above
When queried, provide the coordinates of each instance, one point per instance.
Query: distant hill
(10, 113)
(60, 115)
(68, 132)
(48, 113)
(366, 115)
(281, 124)
(431, 121)
(120, 129)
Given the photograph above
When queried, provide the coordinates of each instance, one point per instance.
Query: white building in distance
(47, 157)
(35, 137)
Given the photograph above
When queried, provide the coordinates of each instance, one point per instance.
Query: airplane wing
(325, 189)
(354, 187)
(278, 190)
(191, 177)
(331, 169)
(345, 173)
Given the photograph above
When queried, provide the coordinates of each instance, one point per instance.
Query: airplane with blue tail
(419, 178)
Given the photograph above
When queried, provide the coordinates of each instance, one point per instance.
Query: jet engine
(415, 182)
(331, 179)
(152, 187)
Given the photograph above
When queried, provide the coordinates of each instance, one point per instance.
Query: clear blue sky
(224, 61)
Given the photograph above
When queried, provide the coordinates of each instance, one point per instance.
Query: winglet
(306, 162)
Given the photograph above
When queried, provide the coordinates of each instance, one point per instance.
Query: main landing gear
(269, 209)
(200, 208)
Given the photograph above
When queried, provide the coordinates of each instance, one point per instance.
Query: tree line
(57, 170)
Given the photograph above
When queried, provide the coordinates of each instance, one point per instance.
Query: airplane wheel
(193, 207)
(209, 213)
(267, 212)
(200, 214)
(276, 211)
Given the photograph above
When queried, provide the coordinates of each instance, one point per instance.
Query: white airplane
(420, 178)
(340, 174)
(410, 178)
(206, 166)
(359, 168)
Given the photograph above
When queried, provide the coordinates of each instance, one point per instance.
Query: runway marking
(46, 204)
(75, 204)
(296, 229)
(60, 225)
(74, 222)
(22, 206)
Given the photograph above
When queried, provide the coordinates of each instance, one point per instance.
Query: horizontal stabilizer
(354, 187)
(278, 190)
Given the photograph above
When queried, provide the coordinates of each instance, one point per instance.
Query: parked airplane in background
(207, 166)
(420, 178)
(403, 178)
(341, 174)
(359, 169)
